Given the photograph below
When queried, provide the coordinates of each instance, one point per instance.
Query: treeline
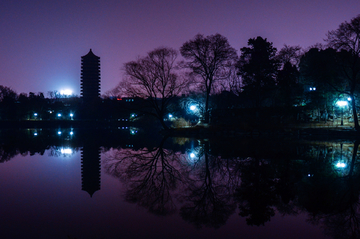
(261, 76)
(213, 78)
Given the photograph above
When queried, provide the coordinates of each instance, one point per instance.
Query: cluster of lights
(70, 133)
(312, 88)
(66, 151)
(59, 132)
(132, 130)
(341, 165)
(59, 115)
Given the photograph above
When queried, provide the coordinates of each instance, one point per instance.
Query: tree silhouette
(256, 194)
(210, 58)
(328, 70)
(7, 103)
(347, 40)
(154, 77)
(258, 67)
(152, 176)
(208, 201)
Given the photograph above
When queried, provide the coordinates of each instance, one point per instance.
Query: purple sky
(42, 41)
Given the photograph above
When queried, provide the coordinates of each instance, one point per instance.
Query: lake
(129, 183)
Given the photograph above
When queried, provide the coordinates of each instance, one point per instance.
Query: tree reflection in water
(209, 187)
(333, 199)
(208, 200)
(256, 179)
(152, 175)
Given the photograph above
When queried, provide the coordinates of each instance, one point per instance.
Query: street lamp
(342, 104)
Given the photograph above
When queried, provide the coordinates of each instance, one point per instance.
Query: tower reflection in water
(90, 168)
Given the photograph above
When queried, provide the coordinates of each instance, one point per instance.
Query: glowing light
(340, 165)
(342, 103)
(66, 92)
(71, 133)
(349, 99)
(192, 155)
(59, 115)
(71, 115)
(192, 107)
(35, 114)
(66, 150)
(59, 132)
(170, 115)
(35, 134)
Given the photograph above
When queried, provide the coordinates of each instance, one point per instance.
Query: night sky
(41, 42)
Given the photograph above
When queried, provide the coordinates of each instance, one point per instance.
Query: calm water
(127, 184)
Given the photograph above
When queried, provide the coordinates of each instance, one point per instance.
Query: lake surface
(125, 183)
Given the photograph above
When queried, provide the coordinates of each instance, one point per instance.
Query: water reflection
(90, 167)
(153, 176)
(207, 181)
(208, 199)
(260, 179)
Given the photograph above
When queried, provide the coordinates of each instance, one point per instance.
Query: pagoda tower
(90, 168)
(90, 77)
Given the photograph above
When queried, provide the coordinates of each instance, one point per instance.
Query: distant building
(90, 77)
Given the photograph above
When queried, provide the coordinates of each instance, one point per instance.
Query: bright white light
(35, 134)
(340, 165)
(59, 115)
(192, 155)
(66, 151)
(35, 114)
(170, 115)
(66, 92)
(71, 115)
(349, 99)
(71, 133)
(342, 103)
(192, 107)
(59, 133)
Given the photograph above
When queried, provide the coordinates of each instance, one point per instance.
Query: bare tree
(347, 38)
(155, 78)
(290, 54)
(210, 58)
(153, 176)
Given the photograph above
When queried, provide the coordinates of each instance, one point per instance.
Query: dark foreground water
(69, 183)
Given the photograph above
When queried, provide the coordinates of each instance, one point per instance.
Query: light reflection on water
(183, 188)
